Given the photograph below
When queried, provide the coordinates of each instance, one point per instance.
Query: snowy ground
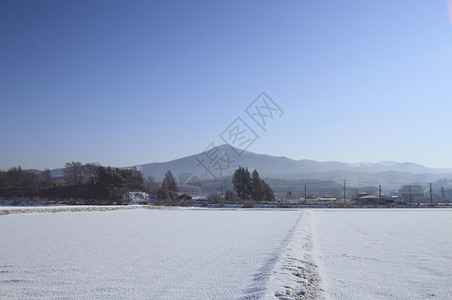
(149, 254)
(226, 254)
(8, 210)
(385, 254)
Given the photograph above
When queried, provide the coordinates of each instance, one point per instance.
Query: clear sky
(131, 82)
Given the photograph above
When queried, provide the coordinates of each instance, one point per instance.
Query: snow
(6, 210)
(385, 254)
(130, 252)
(387, 163)
(147, 254)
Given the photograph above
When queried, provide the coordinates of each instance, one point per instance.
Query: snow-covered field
(147, 254)
(385, 254)
(227, 254)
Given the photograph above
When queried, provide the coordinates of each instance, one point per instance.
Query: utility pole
(305, 194)
(442, 194)
(431, 197)
(225, 190)
(344, 191)
(409, 193)
(379, 192)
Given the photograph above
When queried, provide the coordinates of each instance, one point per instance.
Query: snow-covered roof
(368, 197)
(137, 196)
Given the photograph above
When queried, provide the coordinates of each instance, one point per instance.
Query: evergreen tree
(269, 195)
(168, 191)
(2, 179)
(242, 183)
(13, 177)
(257, 184)
(246, 185)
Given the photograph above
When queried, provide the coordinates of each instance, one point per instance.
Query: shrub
(248, 205)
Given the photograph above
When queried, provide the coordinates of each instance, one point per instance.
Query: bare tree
(46, 176)
(215, 198)
(151, 186)
(92, 172)
(73, 172)
(13, 177)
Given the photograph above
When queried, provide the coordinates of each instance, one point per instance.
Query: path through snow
(156, 254)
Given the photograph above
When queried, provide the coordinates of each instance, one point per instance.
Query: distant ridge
(283, 167)
(286, 168)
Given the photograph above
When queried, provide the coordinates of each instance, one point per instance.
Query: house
(201, 200)
(388, 200)
(327, 199)
(362, 194)
(186, 200)
(190, 189)
(369, 199)
(139, 198)
(58, 182)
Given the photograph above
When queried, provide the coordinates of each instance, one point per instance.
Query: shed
(368, 199)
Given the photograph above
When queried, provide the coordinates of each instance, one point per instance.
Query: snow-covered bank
(385, 254)
(8, 210)
(146, 254)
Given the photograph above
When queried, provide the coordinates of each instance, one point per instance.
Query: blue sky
(124, 83)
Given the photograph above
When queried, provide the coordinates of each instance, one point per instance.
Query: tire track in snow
(290, 272)
(295, 275)
(258, 288)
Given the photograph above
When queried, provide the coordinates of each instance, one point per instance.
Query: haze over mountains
(228, 158)
(207, 165)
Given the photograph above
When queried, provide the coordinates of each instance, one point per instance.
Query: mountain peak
(210, 165)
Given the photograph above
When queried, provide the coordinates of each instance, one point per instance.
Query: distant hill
(275, 167)
(285, 168)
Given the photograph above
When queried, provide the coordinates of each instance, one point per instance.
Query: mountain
(223, 157)
(223, 160)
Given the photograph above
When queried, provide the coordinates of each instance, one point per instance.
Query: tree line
(97, 184)
(251, 186)
(17, 181)
(93, 183)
